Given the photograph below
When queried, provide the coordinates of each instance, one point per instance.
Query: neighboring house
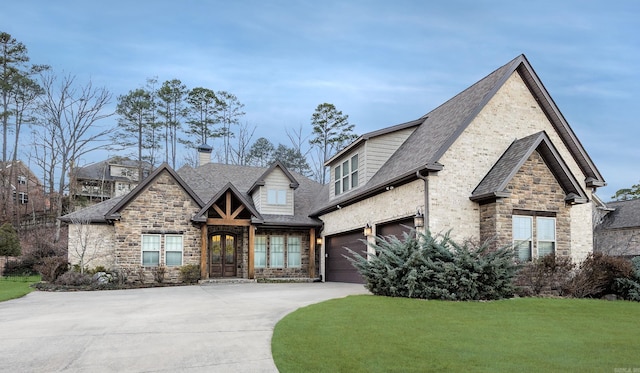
(618, 232)
(498, 161)
(113, 177)
(24, 193)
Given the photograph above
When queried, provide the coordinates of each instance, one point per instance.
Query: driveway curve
(201, 328)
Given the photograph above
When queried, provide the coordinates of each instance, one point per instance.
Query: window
(23, 197)
(354, 171)
(293, 251)
(22, 180)
(260, 252)
(546, 233)
(276, 250)
(173, 250)
(276, 197)
(150, 250)
(522, 236)
(346, 175)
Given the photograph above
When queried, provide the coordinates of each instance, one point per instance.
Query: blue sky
(380, 62)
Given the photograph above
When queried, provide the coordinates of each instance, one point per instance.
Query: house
(497, 161)
(24, 193)
(110, 178)
(618, 231)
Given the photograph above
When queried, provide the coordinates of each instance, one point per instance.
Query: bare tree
(241, 151)
(86, 244)
(68, 114)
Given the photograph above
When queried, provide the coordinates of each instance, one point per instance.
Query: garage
(337, 267)
(396, 228)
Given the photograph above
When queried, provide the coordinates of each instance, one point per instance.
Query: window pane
(173, 258)
(293, 251)
(345, 168)
(545, 248)
(354, 163)
(522, 228)
(150, 258)
(354, 179)
(546, 229)
(276, 250)
(523, 248)
(260, 252)
(337, 173)
(282, 197)
(151, 242)
(173, 243)
(345, 184)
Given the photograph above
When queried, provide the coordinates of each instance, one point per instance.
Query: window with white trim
(293, 252)
(276, 197)
(276, 251)
(260, 252)
(22, 197)
(546, 234)
(522, 236)
(22, 180)
(346, 175)
(173, 250)
(150, 250)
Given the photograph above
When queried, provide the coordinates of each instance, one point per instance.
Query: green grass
(16, 287)
(379, 334)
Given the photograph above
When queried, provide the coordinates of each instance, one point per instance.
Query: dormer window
(276, 197)
(346, 175)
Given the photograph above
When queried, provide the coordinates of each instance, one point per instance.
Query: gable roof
(201, 215)
(625, 214)
(113, 213)
(277, 164)
(101, 170)
(441, 127)
(494, 184)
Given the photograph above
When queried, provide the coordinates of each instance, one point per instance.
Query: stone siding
(510, 114)
(163, 207)
(94, 242)
(535, 191)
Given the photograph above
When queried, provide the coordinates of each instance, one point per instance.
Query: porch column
(204, 273)
(312, 252)
(252, 234)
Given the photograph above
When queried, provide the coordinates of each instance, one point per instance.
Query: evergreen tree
(9, 242)
(260, 153)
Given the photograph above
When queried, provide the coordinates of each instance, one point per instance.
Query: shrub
(597, 276)
(72, 278)
(26, 265)
(158, 273)
(52, 267)
(629, 288)
(431, 267)
(190, 273)
(549, 273)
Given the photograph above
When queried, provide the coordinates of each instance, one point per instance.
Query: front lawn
(12, 287)
(380, 334)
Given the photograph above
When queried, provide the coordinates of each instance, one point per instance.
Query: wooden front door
(222, 255)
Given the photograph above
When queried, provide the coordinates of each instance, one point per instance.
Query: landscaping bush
(546, 274)
(72, 278)
(26, 264)
(629, 288)
(52, 267)
(431, 267)
(598, 276)
(190, 273)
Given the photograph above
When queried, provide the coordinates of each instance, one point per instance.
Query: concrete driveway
(203, 328)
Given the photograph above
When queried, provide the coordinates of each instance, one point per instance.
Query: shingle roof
(101, 170)
(494, 184)
(204, 182)
(442, 126)
(625, 215)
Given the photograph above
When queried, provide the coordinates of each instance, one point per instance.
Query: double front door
(222, 255)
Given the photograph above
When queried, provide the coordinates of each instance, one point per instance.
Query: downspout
(426, 198)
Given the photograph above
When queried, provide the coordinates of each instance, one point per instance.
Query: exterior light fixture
(368, 230)
(318, 240)
(418, 220)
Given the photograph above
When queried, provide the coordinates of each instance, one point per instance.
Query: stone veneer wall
(510, 114)
(296, 272)
(163, 207)
(534, 189)
(97, 242)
